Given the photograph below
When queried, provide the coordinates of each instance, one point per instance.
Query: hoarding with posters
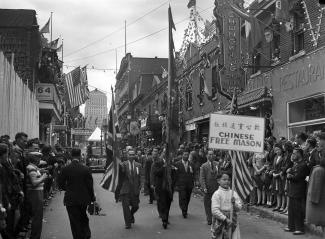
(235, 132)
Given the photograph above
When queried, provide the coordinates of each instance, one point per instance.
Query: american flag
(84, 83)
(243, 180)
(74, 88)
(111, 177)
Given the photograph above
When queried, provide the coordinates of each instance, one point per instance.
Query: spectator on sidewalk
(301, 140)
(35, 185)
(278, 187)
(312, 156)
(297, 192)
(209, 183)
(315, 209)
(259, 167)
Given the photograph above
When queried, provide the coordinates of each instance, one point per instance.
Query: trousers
(79, 221)
(130, 204)
(296, 214)
(35, 198)
(207, 206)
(164, 201)
(184, 198)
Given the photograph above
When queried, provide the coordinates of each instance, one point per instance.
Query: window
(297, 33)
(188, 96)
(306, 115)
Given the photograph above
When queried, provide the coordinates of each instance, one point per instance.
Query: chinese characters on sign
(233, 132)
(230, 74)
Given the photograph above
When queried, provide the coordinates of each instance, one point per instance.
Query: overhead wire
(132, 42)
(116, 31)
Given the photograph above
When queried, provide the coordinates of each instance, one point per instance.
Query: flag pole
(125, 37)
(51, 28)
(234, 163)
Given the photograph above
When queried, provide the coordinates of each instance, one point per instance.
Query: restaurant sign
(234, 132)
(230, 74)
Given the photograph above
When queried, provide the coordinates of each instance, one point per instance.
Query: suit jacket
(183, 178)
(297, 184)
(163, 178)
(130, 184)
(313, 159)
(208, 178)
(147, 169)
(77, 182)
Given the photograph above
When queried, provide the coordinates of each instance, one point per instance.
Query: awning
(253, 97)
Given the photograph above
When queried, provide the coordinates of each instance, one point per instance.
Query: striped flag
(46, 27)
(111, 177)
(243, 180)
(84, 84)
(74, 88)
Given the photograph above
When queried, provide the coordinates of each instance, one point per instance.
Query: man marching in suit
(130, 188)
(184, 182)
(77, 182)
(209, 183)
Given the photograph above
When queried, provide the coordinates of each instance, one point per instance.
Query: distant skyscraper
(96, 109)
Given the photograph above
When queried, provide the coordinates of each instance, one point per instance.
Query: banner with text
(235, 132)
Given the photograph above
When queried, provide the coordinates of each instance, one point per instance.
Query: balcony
(49, 101)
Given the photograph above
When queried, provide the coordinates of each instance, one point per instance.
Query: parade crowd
(288, 178)
(28, 180)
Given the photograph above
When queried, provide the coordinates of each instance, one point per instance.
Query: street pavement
(148, 225)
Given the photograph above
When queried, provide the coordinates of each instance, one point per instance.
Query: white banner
(235, 132)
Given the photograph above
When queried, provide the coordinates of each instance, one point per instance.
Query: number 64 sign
(44, 91)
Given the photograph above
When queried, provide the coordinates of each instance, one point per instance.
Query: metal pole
(101, 142)
(115, 61)
(125, 37)
(51, 28)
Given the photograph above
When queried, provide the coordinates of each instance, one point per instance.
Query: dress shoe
(298, 233)
(184, 214)
(132, 219)
(287, 229)
(128, 227)
(165, 225)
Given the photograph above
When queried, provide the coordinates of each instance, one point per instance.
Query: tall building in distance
(96, 109)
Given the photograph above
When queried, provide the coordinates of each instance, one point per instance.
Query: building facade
(133, 82)
(96, 109)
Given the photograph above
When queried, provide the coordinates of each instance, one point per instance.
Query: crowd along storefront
(298, 95)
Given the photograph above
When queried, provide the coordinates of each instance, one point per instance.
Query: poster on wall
(235, 132)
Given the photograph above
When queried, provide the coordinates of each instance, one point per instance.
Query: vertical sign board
(235, 132)
(231, 74)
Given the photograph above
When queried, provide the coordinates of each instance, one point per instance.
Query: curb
(269, 214)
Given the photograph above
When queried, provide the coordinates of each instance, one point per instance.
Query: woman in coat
(315, 206)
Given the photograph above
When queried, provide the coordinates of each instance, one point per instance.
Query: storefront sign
(45, 92)
(59, 127)
(190, 127)
(299, 76)
(230, 74)
(262, 80)
(85, 132)
(234, 132)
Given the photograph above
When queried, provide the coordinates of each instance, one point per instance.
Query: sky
(96, 27)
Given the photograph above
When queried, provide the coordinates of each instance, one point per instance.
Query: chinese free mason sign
(234, 132)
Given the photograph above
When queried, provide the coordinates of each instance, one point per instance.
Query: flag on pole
(254, 31)
(84, 84)
(191, 3)
(46, 28)
(112, 174)
(54, 44)
(243, 180)
(73, 88)
(59, 49)
(172, 98)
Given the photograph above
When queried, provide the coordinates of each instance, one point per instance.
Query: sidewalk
(269, 214)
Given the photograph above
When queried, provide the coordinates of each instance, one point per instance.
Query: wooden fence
(19, 109)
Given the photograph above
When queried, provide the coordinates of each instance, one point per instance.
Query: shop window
(306, 114)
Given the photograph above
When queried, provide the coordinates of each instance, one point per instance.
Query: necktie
(211, 167)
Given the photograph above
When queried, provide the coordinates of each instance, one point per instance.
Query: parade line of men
(162, 178)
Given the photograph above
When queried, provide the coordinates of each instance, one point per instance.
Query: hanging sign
(231, 74)
(234, 132)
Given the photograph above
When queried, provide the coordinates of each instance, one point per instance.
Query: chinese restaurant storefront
(299, 95)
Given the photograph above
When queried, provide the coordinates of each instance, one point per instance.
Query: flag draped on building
(74, 88)
(254, 32)
(46, 28)
(172, 98)
(282, 10)
(111, 176)
(84, 84)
